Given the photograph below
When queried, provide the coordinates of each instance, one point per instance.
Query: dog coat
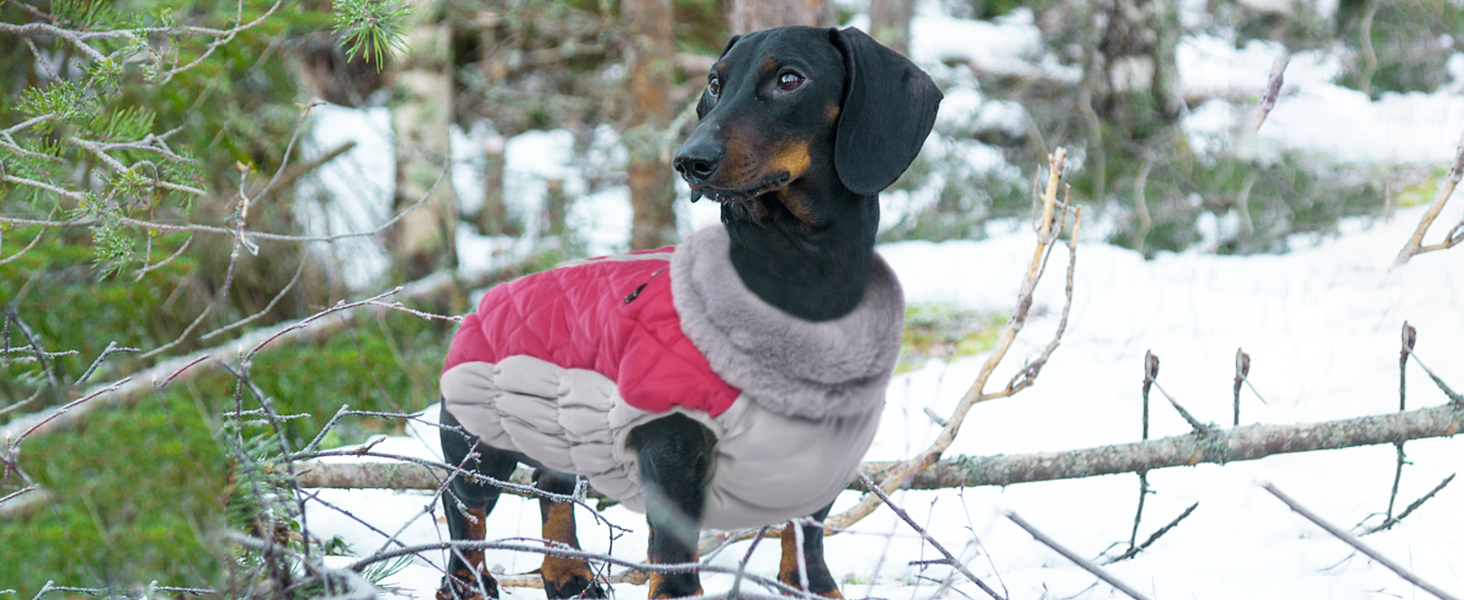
(562, 364)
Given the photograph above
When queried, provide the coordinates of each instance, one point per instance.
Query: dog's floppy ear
(704, 105)
(889, 108)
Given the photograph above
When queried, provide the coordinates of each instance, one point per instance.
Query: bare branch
(1273, 90)
(36, 240)
(1446, 189)
(1199, 427)
(1252, 442)
(950, 559)
(1357, 544)
(1135, 550)
(1086, 564)
(1392, 520)
(1046, 237)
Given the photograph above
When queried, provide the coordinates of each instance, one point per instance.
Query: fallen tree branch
(168, 371)
(1221, 446)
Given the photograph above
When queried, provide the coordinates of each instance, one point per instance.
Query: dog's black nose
(697, 162)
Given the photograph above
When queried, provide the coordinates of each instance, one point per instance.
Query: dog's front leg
(563, 577)
(674, 455)
(466, 504)
(814, 570)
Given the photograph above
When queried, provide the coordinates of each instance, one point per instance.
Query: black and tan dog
(800, 129)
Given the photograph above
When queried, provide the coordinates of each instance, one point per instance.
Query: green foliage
(1400, 46)
(70, 308)
(139, 495)
(390, 364)
(63, 100)
(373, 25)
(145, 492)
(968, 199)
(89, 13)
(1268, 203)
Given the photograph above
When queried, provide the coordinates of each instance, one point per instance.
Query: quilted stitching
(575, 316)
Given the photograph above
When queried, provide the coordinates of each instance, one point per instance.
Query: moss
(945, 332)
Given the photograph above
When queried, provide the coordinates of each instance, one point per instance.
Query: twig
(150, 268)
(36, 240)
(1151, 372)
(166, 372)
(111, 349)
(1273, 90)
(195, 228)
(1356, 543)
(1199, 427)
(1242, 370)
(268, 307)
(1138, 516)
(1046, 236)
(1446, 189)
(1454, 397)
(1391, 521)
(1135, 550)
(742, 566)
(563, 551)
(951, 559)
(1410, 337)
(1086, 564)
(56, 414)
(38, 351)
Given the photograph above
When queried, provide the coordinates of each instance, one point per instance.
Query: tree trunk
(649, 55)
(1132, 76)
(889, 22)
(421, 115)
(751, 15)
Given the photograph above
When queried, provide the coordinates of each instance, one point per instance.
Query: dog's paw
(569, 578)
(575, 587)
(673, 585)
(462, 585)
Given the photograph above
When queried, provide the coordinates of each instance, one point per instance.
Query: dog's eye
(714, 86)
(789, 81)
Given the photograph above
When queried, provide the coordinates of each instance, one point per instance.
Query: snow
(1322, 328)
(1321, 325)
(351, 193)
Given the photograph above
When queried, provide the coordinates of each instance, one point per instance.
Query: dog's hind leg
(563, 577)
(466, 505)
(820, 580)
(674, 455)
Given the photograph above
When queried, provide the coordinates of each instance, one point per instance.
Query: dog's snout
(696, 162)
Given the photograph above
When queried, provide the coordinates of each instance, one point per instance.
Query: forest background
(163, 194)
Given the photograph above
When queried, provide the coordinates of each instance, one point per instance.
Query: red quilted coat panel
(612, 315)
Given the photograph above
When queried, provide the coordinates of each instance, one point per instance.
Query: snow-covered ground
(1321, 325)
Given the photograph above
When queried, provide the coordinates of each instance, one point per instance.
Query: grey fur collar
(787, 365)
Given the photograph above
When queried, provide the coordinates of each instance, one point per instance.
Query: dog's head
(790, 112)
